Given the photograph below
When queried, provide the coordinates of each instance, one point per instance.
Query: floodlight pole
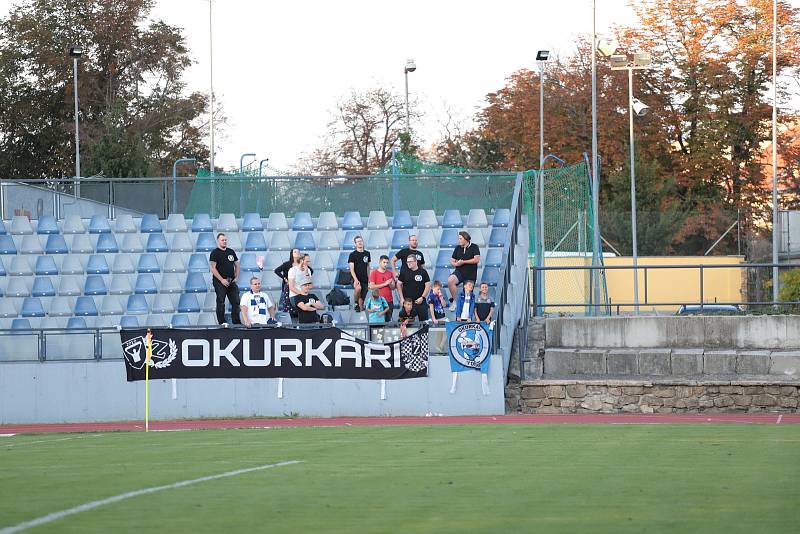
(540, 175)
(775, 221)
(211, 104)
(633, 197)
(77, 131)
(596, 245)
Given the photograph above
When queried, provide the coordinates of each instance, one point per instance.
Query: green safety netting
(564, 236)
(406, 184)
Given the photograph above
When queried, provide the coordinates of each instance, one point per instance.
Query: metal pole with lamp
(175, 180)
(75, 52)
(775, 222)
(410, 67)
(541, 57)
(635, 106)
(211, 105)
(241, 182)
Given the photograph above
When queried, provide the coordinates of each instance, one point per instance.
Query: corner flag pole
(148, 357)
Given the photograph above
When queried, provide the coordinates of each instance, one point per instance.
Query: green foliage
(790, 286)
(134, 116)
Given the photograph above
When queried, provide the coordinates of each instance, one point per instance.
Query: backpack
(344, 278)
(337, 297)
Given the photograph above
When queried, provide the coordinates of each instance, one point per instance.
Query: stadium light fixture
(76, 52)
(639, 61)
(410, 67)
(542, 55)
(607, 47)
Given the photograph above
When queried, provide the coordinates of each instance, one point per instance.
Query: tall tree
(135, 117)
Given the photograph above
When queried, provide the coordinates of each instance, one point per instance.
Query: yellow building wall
(674, 286)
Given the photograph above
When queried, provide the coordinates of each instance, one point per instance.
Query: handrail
(508, 258)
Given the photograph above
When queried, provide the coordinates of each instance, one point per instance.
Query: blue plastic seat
(327, 221)
(128, 321)
(85, 307)
(226, 223)
(76, 323)
(342, 264)
(477, 218)
(251, 222)
(255, 242)
(195, 283)
(427, 219)
(32, 307)
(95, 285)
(45, 266)
(157, 243)
(7, 245)
(498, 237)
(17, 287)
(180, 319)
(162, 304)
(349, 236)
(137, 305)
(148, 263)
(107, 243)
(280, 241)
(400, 239)
(402, 220)
(125, 224)
(352, 221)
(449, 238)
(198, 263)
(47, 225)
(123, 264)
(491, 276)
(452, 219)
(180, 242)
(493, 257)
(20, 324)
(443, 259)
(131, 243)
(202, 223)
(97, 264)
(43, 287)
(21, 225)
(99, 225)
(205, 242)
(248, 263)
(277, 222)
(173, 263)
(304, 241)
(187, 303)
(176, 223)
(502, 218)
(376, 240)
(150, 224)
(145, 284)
(441, 274)
(377, 220)
(302, 222)
(120, 285)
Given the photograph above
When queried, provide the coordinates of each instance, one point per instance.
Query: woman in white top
(298, 275)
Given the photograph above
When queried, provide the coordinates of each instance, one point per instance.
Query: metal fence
(263, 195)
(59, 344)
(690, 285)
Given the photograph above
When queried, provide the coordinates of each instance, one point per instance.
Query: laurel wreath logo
(173, 353)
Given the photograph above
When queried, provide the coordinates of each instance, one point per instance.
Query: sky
(281, 67)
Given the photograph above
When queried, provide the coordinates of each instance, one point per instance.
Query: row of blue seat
(254, 241)
(150, 283)
(252, 222)
(198, 262)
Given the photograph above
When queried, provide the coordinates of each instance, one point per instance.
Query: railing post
(702, 297)
(42, 344)
(645, 285)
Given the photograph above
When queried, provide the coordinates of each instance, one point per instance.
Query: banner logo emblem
(164, 353)
(469, 345)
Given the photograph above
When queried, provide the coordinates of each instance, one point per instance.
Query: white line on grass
(7, 435)
(109, 500)
(24, 443)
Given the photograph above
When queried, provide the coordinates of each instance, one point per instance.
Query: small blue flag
(470, 345)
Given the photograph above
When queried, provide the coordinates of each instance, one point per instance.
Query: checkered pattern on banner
(414, 352)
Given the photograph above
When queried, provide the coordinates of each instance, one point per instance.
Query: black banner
(272, 353)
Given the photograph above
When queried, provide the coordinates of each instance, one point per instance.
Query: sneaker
(356, 308)
(452, 306)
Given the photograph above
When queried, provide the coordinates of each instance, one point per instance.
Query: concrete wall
(53, 392)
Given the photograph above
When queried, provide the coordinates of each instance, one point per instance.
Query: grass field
(537, 478)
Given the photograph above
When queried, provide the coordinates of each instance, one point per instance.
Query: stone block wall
(644, 396)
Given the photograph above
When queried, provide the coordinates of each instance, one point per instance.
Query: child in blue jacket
(465, 305)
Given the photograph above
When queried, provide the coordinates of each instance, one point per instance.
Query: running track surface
(197, 424)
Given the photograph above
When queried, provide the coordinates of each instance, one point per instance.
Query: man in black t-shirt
(403, 253)
(307, 305)
(415, 284)
(359, 269)
(224, 272)
(465, 259)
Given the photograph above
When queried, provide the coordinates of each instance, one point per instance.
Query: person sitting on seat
(465, 305)
(307, 305)
(257, 307)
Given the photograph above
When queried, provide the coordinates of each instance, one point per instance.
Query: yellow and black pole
(148, 357)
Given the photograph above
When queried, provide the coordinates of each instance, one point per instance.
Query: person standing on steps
(224, 265)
